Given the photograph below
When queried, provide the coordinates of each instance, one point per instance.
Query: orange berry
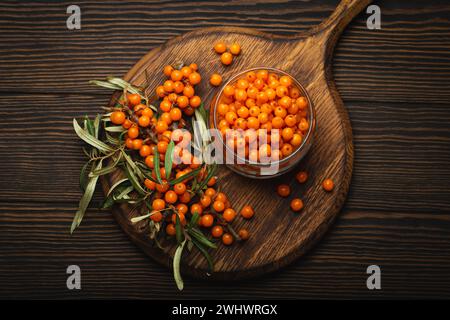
(186, 71)
(117, 117)
(286, 149)
(134, 99)
(182, 101)
(160, 91)
(182, 208)
(171, 197)
(240, 94)
(296, 140)
(207, 220)
(149, 162)
(229, 215)
(147, 112)
(150, 184)
(161, 126)
(205, 201)
(162, 187)
(195, 78)
(221, 197)
(212, 181)
(262, 74)
(303, 125)
(144, 121)
(196, 208)
(247, 212)
(175, 114)
(185, 197)
(179, 188)
(235, 49)
(218, 206)
(168, 70)
(302, 103)
(243, 234)
(181, 217)
(287, 134)
(193, 66)
(251, 76)
(156, 216)
(170, 229)
(137, 144)
(168, 86)
(285, 81)
(220, 47)
(283, 190)
(217, 231)
(127, 124)
(188, 91)
(178, 87)
(158, 204)
(328, 185)
(195, 101)
(296, 204)
(227, 239)
(215, 80)
(162, 146)
(176, 75)
(210, 192)
(285, 102)
(228, 91)
(145, 151)
(222, 109)
(302, 176)
(226, 58)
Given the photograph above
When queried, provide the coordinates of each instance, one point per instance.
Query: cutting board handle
(330, 29)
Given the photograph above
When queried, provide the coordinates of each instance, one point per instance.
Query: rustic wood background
(395, 83)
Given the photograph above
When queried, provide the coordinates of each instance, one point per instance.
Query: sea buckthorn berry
(117, 117)
(179, 188)
(170, 229)
(210, 192)
(220, 47)
(283, 190)
(188, 91)
(145, 151)
(290, 120)
(240, 94)
(185, 197)
(162, 146)
(156, 216)
(144, 121)
(137, 144)
(178, 87)
(175, 114)
(212, 181)
(228, 91)
(186, 71)
(161, 126)
(205, 201)
(218, 206)
(281, 91)
(165, 105)
(262, 74)
(215, 80)
(147, 112)
(247, 212)
(253, 123)
(176, 75)
(287, 134)
(182, 102)
(196, 208)
(195, 101)
(150, 184)
(168, 86)
(302, 176)
(149, 162)
(222, 109)
(242, 84)
(162, 187)
(285, 102)
(328, 185)
(158, 204)
(207, 220)
(251, 76)
(127, 124)
(296, 204)
(227, 239)
(193, 66)
(243, 112)
(286, 149)
(230, 117)
(134, 99)
(160, 92)
(243, 234)
(171, 197)
(182, 208)
(285, 81)
(195, 78)
(294, 93)
(189, 111)
(226, 58)
(277, 122)
(217, 231)
(168, 70)
(302, 103)
(303, 125)
(296, 140)
(235, 49)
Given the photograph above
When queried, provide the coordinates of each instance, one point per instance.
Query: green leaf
(194, 220)
(97, 125)
(125, 85)
(179, 234)
(84, 176)
(108, 169)
(86, 137)
(186, 176)
(211, 171)
(176, 266)
(89, 126)
(115, 185)
(85, 199)
(131, 163)
(134, 180)
(168, 159)
(124, 193)
(115, 129)
(205, 254)
(197, 234)
(105, 84)
(156, 164)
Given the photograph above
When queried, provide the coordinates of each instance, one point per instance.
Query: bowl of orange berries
(265, 121)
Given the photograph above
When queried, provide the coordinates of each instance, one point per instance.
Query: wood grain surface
(278, 235)
(395, 84)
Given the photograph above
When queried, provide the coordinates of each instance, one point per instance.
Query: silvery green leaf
(115, 185)
(168, 159)
(115, 129)
(134, 180)
(85, 200)
(112, 167)
(89, 139)
(133, 166)
(176, 266)
(156, 164)
(97, 125)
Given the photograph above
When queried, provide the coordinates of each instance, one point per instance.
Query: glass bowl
(256, 169)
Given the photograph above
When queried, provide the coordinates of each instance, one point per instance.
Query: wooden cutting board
(278, 236)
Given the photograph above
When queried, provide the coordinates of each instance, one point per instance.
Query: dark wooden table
(395, 83)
